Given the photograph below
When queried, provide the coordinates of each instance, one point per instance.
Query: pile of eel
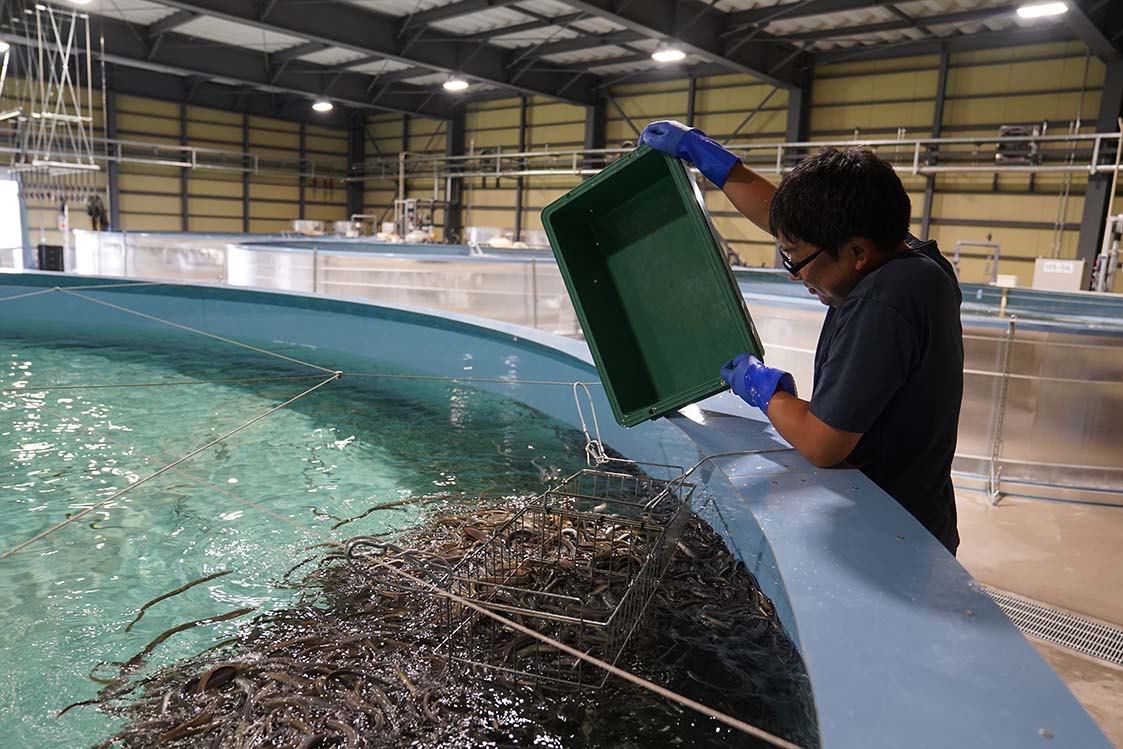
(362, 659)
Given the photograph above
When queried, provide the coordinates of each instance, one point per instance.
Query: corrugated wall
(875, 99)
(390, 134)
(1053, 84)
(170, 198)
(157, 198)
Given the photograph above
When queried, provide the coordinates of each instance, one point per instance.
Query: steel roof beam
(452, 10)
(175, 20)
(933, 46)
(799, 9)
(1097, 24)
(564, 46)
(370, 33)
(700, 30)
(518, 28)
(188, 57)
(966, 16)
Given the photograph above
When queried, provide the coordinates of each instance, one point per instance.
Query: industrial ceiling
(396, 55)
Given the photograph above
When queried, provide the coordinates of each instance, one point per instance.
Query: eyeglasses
(793, 267)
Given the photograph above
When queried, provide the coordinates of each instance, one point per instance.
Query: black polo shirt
(889, 365)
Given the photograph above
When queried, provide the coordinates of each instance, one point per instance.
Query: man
(889, 363)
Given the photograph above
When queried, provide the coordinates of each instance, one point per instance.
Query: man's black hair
(834, 195)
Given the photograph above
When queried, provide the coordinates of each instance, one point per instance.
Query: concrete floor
(1097, 685)
(1065, 555)
(1060, 553)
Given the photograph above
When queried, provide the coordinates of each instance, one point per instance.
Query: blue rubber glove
(691, 144)
(754, 382)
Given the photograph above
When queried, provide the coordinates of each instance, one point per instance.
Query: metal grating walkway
(1084, 635)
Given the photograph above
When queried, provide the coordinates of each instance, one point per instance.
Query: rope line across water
(43, 534)
(176, 383)
(200, 332)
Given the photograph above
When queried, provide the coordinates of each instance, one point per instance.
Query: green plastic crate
(657, 301)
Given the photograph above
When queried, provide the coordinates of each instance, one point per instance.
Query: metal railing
(1073, 153)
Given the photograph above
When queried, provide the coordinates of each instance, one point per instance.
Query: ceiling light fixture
(1041, 10)
(323, 105)
(455, 84)
(4, 47)
(80, 2)
(668, 53)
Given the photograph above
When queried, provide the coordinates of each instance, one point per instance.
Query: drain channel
(1079, 633)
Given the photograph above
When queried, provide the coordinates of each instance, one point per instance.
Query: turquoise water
(66, 600)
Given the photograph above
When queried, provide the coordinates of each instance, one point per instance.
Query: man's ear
(864, 252)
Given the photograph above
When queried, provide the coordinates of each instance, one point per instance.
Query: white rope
(146, 479)
(433, 589)
(45, 388)
(594, 448)
(26, 295)
(200, 332)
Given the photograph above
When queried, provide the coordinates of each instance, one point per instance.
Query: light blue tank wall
(902, 648)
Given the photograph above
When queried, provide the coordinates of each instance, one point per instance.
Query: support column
(519, 180)
(937, 129)
(1097, 196)
(303, 164)
(112, 167)
(184, 218)
(356, 156)
(454, 146)
(691, 100)
(799, 108)
(247, 162)
(595, 119)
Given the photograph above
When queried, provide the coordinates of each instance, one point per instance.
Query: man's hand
(691, 144)
(754, 382)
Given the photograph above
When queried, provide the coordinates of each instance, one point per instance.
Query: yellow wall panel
(150, 204)
(914, 116)
(148, 183)
(269, 226)
(721, 125)
(873, 67)
(128, 122)
(197, 185)
(268, 140)
(326, 145)
(508, 139)
(1055, 49)
(214, 207)
(209, 132)
(326, 212)
(215, 225)
(549, 113)
(875, 87)
(126, 103)
(541, 136)
(491, 197)
(1018, 109)
(274, 192)
(286, 211)
(217, 116)
(145, 222)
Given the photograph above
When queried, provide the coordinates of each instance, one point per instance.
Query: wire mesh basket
(580, 565)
